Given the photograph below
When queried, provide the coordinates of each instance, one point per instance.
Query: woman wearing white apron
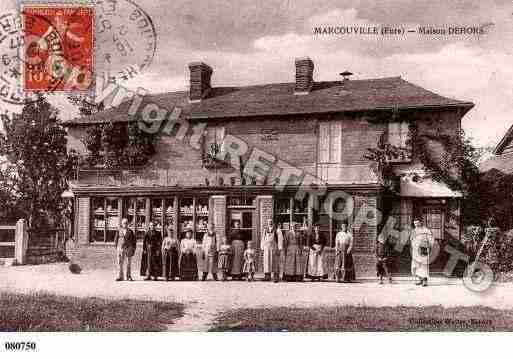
(269, 246)
(422, 241)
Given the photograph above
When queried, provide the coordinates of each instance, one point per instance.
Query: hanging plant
(383, 156)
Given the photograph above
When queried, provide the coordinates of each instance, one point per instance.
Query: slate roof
(279, 99)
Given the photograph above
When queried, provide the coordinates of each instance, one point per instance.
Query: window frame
(330, 142)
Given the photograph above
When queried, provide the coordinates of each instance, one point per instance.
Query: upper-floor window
(399, 136)
(330, 142)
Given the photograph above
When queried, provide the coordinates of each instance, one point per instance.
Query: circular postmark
(126, 40)
(11, 47)
(48, 49)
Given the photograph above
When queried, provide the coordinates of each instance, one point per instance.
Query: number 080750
(20, 346)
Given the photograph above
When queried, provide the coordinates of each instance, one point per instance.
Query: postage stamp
(58, 48)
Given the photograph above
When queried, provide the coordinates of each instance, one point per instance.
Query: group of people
(289, 255)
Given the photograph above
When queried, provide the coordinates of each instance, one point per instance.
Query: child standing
(225, 254)
(382, 258)
(249, 262)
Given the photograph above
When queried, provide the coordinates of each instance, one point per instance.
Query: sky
(254, 41)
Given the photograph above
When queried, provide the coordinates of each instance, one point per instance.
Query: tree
(39, 165)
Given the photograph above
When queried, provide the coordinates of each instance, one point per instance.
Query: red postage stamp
(58, 48)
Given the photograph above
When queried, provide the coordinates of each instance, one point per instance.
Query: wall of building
(292, 140)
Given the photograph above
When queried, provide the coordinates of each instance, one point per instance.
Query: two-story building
(295, 153)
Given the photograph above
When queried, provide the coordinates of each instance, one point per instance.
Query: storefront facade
(303, 162)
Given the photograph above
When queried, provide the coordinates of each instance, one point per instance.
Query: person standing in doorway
(209, 252)
(237, 243)
(422, 242)
(250, 262)
(125, 248)
(269, 246)
(151, 261)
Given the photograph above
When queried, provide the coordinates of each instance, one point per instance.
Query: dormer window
(399, 136)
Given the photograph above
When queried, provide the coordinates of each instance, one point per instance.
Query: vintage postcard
(255, 166)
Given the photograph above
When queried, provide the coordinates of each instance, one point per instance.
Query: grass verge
(48, 312)
(359, 318)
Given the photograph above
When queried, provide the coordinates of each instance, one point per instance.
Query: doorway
(246, 219)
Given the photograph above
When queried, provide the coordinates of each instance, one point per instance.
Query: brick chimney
(304, 75)
(200, 74)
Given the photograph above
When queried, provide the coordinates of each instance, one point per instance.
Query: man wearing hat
(422, 242)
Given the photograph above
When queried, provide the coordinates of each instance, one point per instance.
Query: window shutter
(324, 142)
(394, 133)
(335, 142)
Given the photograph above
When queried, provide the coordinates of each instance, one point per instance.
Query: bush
(497, 251)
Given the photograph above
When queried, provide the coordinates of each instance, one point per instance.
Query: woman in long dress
(422, 241)
(237, 242)
(224, 263)
(269, 246)
(344, 264)
(294, 262)
(316, 254)
(188, 262)
(170, 256)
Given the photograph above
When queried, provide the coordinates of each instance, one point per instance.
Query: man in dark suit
(125, 248)
(151, 260)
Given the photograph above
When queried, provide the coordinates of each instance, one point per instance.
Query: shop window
(136, 212)
(105, 219)
(330, 142)
(433, 218)
(163, 214)
(194, 214)
(283, 213)
(201, 218)
(290, 211)
(245, 218)
(169, 212)
(323, 219)
(186, 215)
(329, 214)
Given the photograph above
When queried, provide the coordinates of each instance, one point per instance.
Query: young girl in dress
(250, 262)
(225, 254)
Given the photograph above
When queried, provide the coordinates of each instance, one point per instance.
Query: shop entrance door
(246, 219)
